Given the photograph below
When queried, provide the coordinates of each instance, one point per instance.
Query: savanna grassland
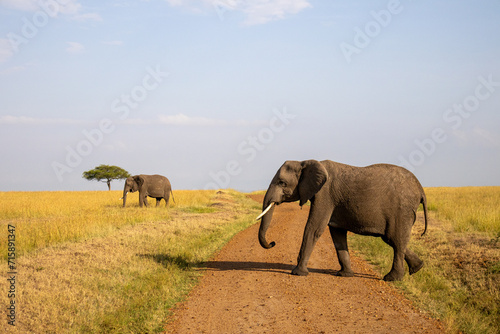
(460, 282)
(87, 265)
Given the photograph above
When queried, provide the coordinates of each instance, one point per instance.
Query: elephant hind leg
(339, 237)
(397, 272)
(413, 261)
(158, 201)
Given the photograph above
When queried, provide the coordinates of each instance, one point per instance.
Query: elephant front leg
(315, 227)
(339, 237)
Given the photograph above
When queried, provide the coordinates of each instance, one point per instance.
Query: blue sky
(219, 93)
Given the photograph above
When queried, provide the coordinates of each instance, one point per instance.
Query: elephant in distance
(379, 200)
(155, 186)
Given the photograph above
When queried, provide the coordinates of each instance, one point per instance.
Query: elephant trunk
(124, 196)
(267, 215)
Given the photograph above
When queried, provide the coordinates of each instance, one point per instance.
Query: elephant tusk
(121, 198)
(265, 211)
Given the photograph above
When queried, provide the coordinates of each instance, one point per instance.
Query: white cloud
(256, 11)
(181, 119)
(17, 68)
(13, 69)
(178, 2)
(137, 121)
(88, 17)
(184, 120)
(113, 43)
(486, 138)
(26, 5)
(75, 47)
(70, 7)
(115, 145)
(263, 11)
(6, 51)
(66, 7)
(477, 137)
(23, 120)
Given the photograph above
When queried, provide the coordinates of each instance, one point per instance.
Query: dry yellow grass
(48, 218)
(470, 209)
(125, 278)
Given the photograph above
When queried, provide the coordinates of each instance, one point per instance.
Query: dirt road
(248, 289)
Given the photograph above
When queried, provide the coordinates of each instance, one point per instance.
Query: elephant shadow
(271, 267)
(167, 260)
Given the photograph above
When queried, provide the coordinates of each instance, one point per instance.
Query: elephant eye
(282, 183)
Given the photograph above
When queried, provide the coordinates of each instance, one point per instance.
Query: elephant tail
(423, 200)
(172, 193)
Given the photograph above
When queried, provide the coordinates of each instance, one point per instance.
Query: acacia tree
(106, 173)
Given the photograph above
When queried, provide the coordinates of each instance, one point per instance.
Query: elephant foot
(416, 268)
(300, 272)
(392, 276)
(345, 273)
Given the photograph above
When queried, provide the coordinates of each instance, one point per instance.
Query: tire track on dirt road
(248, 289)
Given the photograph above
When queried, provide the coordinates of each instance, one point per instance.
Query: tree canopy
(106, 173)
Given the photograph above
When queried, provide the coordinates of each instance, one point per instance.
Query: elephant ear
(312, 178)
(139, 180)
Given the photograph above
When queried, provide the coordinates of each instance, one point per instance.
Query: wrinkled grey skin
(156, 186)
(379, 200)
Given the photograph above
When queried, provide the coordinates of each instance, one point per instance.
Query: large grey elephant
(379, 200)
(156, 186)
